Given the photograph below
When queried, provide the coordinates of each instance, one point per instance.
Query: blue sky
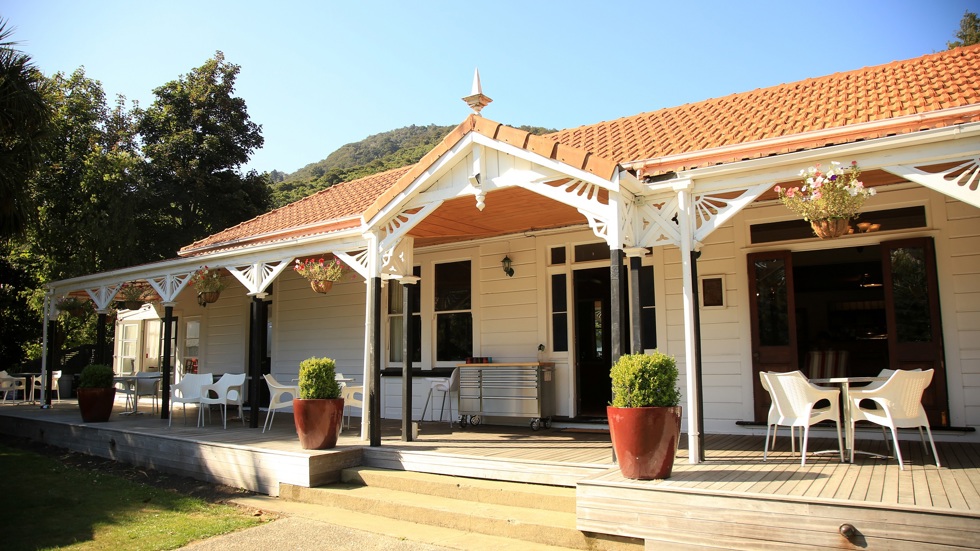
(317, 75)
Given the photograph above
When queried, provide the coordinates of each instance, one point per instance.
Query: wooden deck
(733, 500)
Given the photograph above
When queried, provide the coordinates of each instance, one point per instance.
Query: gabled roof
(928, 92)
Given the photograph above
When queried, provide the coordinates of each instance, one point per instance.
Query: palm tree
(24, 117)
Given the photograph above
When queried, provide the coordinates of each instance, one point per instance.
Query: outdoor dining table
(131, 383)
(845, 386)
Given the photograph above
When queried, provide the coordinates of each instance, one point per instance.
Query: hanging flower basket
(321, 286)
(321, 273)
(830, 229)
(210, 297)
(133, 304)
(73, 306)
(828, 200)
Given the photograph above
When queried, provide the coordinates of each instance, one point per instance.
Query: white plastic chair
(148, 386)
(446, 385)
(773, 421)
(349, 394)
(39, 385)
(795, 399)
(10, 384)
(228, 391)
(900, 403)
(188, 391)
(278, 393)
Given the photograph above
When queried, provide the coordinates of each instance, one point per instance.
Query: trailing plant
(320, 270)
(645, 380)
(207, 280)
(96, 376)
(317, 379)
(832, 195)
(73, 304)
(132, 291)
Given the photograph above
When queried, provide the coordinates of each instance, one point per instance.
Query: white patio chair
(280, 396)
(229, 390)
(351, 401)
(188, 391)
(148, 384)
(39, 385)
(899, 402)
(773, 421)
(795, 400)
(446, 385)
(10, 384)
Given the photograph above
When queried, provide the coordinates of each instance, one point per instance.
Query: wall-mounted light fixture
(200, 300)
(506, 265)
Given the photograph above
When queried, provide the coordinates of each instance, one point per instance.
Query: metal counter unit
(506, 390)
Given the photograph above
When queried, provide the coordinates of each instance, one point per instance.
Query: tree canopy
(23, 122)
(969, 32)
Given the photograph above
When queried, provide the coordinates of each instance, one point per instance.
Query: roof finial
(477, 100)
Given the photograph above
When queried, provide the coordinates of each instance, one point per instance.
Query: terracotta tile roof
(932, 91)
(335, 208)
(889, 99)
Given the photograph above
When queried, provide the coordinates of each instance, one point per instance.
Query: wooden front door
(914, 325)
(772, 309)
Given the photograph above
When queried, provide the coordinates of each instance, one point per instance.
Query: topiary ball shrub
(317, 380)
(96, 376)
(645, 380)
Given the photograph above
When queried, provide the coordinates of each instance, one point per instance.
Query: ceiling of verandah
(507, 211)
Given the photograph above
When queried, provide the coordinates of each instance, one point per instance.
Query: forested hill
(377, 153)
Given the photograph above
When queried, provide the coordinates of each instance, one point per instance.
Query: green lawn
(46, 505)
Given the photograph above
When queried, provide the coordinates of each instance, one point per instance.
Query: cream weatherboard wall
(961, 274)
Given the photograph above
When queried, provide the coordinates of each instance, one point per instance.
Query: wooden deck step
(534, 514)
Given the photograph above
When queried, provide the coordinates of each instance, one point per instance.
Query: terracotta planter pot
(830, 229)
(645, 440)
(321, 286)
(318, 422)
(95, 404)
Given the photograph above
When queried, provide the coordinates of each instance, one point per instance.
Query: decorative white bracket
(398, 259)
(710, 212)
(962, 182)
(403, 222)
(103, 296)
(258, 276)
(170, 285)
(357, 262)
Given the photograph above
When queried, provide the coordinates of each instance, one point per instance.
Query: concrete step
(392, 529)
(552, 498)
(539, 515)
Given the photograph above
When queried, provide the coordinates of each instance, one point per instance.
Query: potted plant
(208, 283)
(75, 306)
(645, 418)
(827, 200)
(133, 295)
(96, 393)
(319, 410)
(320, 273)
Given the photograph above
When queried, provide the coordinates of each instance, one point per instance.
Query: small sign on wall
(712, 291)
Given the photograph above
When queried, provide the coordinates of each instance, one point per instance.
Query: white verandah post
(686, 222)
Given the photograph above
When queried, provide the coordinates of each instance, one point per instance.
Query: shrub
(317, 380)
(645, 380)
(96, 376)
